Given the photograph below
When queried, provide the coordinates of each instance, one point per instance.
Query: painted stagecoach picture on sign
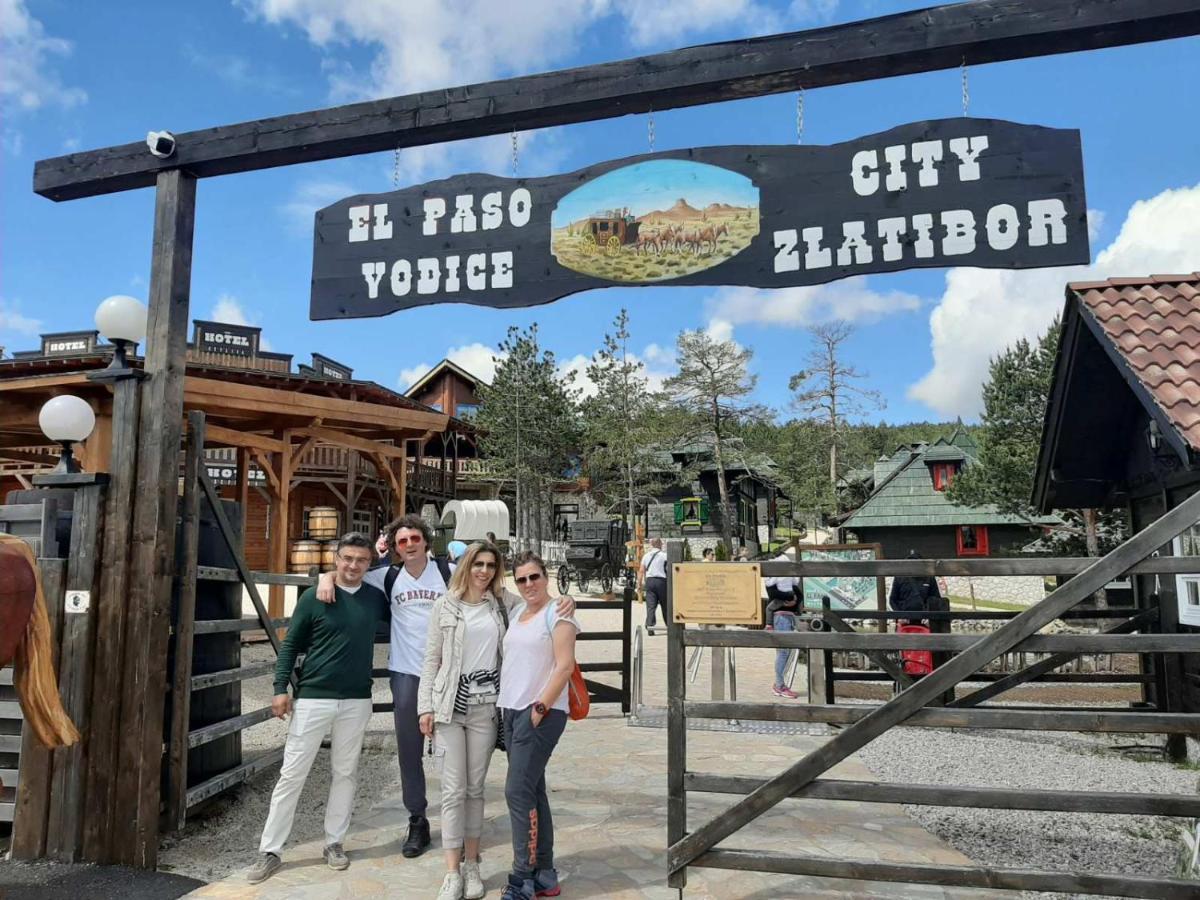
(654, 221)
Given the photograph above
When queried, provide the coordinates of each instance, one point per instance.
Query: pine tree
(529, 427)
(620, 424)
(711, 386)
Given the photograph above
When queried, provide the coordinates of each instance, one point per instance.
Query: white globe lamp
(68, 420)
(122, 320)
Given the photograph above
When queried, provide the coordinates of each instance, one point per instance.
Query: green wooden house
(907, 508)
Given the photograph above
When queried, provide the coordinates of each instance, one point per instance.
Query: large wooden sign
(952, 192)
(716, 594)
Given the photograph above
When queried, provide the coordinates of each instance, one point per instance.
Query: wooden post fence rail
(913, 707)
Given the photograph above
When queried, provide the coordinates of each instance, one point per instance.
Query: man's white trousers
(311, 721)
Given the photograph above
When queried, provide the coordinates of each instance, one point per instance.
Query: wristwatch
(539, 707)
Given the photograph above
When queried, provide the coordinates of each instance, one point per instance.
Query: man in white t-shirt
(411, 588)
(653, 578)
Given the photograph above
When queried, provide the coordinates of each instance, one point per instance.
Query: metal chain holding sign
(966, 94)
(396, 170)
(800, 116)
(650, 129)
(514, 153)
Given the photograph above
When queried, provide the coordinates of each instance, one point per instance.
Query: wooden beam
(280, 508)
(863, 642)
(889, 665)
(26, 456)
(152, 559)
(919, 41)
(1046, 719)
(231, 395)
(104, 742)
(1027, 565)
(911, 701)
(217, 435)
(1114, 885)
(342, 439)
(268, 468)
(1117, 802)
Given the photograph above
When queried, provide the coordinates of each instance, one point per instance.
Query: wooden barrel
(322, 523)
(304, 554)
(328, 551)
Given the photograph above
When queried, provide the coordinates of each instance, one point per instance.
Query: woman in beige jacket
(456, 701)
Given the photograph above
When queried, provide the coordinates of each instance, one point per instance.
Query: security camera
(161, 143)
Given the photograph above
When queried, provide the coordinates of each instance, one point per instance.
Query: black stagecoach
(595, 549)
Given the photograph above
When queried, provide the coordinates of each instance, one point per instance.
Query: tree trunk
(1092, 539)
(726, 529)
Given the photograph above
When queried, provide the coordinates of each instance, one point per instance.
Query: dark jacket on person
(912, 594)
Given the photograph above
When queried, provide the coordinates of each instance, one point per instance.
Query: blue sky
(81, 76)
(656, 185)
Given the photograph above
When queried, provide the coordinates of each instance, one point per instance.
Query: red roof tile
(1154, 323)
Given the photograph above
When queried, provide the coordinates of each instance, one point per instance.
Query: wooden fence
(918, 704)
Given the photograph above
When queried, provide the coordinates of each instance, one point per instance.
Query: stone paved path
(608, 794)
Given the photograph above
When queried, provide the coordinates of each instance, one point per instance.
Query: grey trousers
(409, 741)
(656, 595)
(529, 751)
(466, 743)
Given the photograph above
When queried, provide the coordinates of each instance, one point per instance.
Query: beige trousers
(466, 746)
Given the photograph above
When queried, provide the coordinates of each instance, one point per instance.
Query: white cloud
(478, 359)
(308, 197)
(850, 300)
(653, 375)
(982, 311)
(229, 309)
(719, 329)
(11, 319)
(27, 77)
(1095, 223)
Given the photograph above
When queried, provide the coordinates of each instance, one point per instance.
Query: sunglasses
(480, 564)
(529, 579)
(401, 540)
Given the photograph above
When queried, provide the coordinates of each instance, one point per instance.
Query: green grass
(965, 603)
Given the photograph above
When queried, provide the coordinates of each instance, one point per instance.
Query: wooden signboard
(843, 591)
(950, 192)
(716, 594)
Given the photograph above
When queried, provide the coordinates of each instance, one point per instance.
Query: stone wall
(1023, 589)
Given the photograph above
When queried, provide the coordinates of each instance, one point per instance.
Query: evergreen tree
(529, 427)
(711, 386)
(1014, 405)
(621, 426)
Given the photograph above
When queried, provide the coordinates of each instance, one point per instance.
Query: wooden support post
(889, 665)
(64, 835)
(37, 763)
(280, 500)
(104, 758)
(685, 850)
(242, 491)
(351, 476)
(97, 449)
(136, 813)
(676, 723)
(185, 621)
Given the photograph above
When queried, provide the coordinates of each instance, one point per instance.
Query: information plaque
(717, 594)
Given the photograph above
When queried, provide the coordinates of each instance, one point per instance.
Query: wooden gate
(912, 707)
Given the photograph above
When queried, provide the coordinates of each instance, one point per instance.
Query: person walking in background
(411, 588)
(785, 599)
(539, 654)
(333, 691)
(709, 555)
(652, 578)
(456, 702)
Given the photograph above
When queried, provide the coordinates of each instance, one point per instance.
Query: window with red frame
(972, 540)
(943, 474)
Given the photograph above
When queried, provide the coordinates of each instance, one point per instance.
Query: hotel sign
(221, 337)
(951, 192)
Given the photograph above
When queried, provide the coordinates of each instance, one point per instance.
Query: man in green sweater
(333, 692)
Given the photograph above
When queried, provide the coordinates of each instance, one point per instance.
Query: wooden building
(907, 508)
(691, 505)
(280, 442)
(451, 389)
(1122, 429)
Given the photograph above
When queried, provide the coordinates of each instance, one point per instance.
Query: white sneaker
(473, 888)
(452, 887)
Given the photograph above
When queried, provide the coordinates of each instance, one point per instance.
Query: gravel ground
(223, 837)
(1145, 845)
(57, 881)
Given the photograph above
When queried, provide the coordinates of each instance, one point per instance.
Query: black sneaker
(418, 840)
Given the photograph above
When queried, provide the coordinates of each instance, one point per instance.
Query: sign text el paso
(952, 192)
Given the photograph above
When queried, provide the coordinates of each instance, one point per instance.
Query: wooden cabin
(283, 443)
(907, 508)
(1122, 429)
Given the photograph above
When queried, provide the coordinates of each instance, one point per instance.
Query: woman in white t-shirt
(540, 648)
(457, 697)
